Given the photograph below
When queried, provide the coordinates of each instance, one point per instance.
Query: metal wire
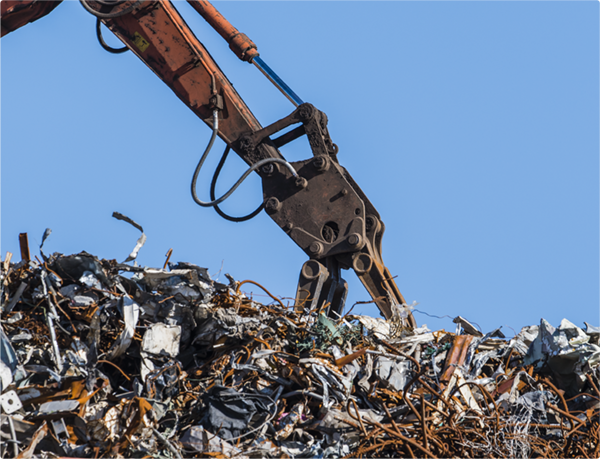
(251, 169)
(167, 443)
(213, 185)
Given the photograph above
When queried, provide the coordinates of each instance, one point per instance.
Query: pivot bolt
(268, 169)
(247, 144)
(272, 205)
(315, 249)
(306, 112)
(321, 163)
(361, 263)
(301, 182)
(354, 239)
(311, 269)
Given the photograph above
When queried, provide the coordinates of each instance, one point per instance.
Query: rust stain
(456, 356)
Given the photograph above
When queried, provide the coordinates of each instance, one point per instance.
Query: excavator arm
(315, 201)
(16, 14)
(156, 33)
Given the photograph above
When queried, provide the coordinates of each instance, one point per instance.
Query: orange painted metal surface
(16, 14)
(158, 35)
(240, 44)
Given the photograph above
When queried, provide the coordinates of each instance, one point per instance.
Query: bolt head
(316, 248)
(306, 112)
(268, 168)
(354, 239)
(321, 163)
(301, 182)
(246, 144)
(272, 205)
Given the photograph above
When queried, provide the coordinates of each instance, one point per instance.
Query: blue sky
(471, 126)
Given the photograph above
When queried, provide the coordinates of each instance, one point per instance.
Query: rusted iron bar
(456, 355)
(423, 422)
(24, 245)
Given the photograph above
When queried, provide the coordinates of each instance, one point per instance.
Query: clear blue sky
(471, 126)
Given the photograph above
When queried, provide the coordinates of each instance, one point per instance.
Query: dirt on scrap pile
(101, 359)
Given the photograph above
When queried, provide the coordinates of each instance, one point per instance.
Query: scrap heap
(101, 359)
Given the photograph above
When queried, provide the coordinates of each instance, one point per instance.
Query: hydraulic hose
(213, 185)
(108, 48)
(110, 2)
(251, 169)
(100, 15)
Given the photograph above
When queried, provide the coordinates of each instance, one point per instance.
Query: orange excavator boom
(15, 14)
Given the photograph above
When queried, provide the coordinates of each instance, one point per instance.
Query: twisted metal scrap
(296, 361)
(439, 427)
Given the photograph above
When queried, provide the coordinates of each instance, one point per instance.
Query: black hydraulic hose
(104, 44)
(213, 185)
(252, 168)
(115, 3)
(100, 15)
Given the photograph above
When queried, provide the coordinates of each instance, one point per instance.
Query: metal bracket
(10, 402)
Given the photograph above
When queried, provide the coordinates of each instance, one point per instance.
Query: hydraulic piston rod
(242, 46)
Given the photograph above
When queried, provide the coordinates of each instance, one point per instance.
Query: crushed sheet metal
(591, 330)
(47, 233)
(131, 314)
(169, 363)
(16, 297)
(8, 361)
(59, 406)
(140, 242)
(162, 339)
(198, 439)
(466, 326)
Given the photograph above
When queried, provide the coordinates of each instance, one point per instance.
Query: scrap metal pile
(101, 359)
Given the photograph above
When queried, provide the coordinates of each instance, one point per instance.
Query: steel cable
(213, 185)
(251, 169)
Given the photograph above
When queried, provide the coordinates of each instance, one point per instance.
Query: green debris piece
(329, 329)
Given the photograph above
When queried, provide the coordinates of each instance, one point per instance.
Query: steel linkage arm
(327, 214)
